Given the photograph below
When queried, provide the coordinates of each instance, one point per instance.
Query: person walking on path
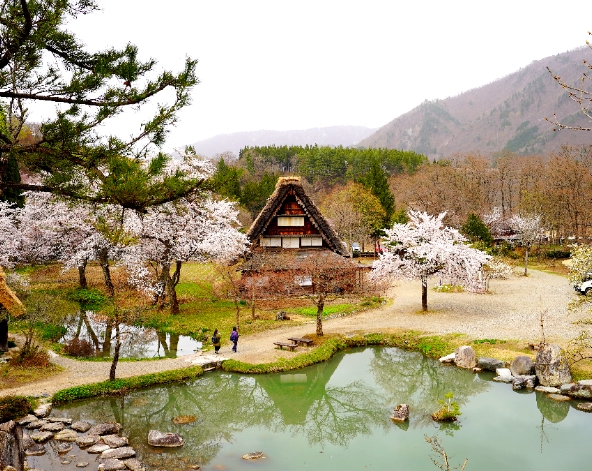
(216, 341)
(234, 335)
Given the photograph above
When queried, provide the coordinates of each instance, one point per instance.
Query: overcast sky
(283, 64)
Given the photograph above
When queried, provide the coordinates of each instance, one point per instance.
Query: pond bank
(510, 311)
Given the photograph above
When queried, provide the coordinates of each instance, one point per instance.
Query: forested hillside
(251, 178)
(508, 114)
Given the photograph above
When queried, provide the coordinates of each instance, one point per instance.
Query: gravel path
(510, 311)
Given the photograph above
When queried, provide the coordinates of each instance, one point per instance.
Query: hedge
(124, 385)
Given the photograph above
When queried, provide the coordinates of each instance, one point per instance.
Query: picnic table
(301, 340)
(290, 346)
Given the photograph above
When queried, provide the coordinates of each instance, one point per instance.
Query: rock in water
(115, 441)
(43, 410)
(585, 406)
(465, 357)
(401, 413)
(134, 464)
(118, 453)
(35, 450)
(109, 428)
(522, 366)
(490, 364)
(81, 426)
(551, 366)
(64, 448)
(66, 436)
(156, 438)
(254, 456)
(87, 440)
(111, 465)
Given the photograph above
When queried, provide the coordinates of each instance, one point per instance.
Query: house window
(290, 242)
(291, 221)
(311, 242)
(271, 241)
(303, 280)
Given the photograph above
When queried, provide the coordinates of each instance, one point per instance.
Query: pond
(136, 342)
(335, 416)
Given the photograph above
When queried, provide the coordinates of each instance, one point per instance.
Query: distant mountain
(506, 114)
(331, 136)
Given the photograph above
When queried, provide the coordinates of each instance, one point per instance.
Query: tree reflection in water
(325, 414)
(414, 379)
(137, 342)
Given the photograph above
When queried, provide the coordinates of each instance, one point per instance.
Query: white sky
(284, 64)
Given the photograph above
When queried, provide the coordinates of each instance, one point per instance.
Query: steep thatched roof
(274, 203)
(8, 299)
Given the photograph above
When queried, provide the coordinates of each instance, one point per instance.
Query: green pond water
(335, 416)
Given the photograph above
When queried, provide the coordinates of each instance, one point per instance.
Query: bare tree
(580, 94)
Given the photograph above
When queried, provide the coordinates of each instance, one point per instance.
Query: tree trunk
(4, 335)
(116, 352)
(320, 306)
(424, 293)
(82, 275)
(170, 290)
(253, 303)
(237, 307)
(104, 261)
(107, 342)
(526, 261)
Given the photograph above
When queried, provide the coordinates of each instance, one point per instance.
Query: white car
(585, 286)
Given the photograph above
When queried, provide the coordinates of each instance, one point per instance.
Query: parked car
(585, 286)
(356, 250)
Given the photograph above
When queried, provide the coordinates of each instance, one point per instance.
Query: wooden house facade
(290, 220)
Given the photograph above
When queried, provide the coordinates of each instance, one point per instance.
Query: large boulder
(115, 441)
(11, 445)
(66, 435)
(169, 440)
(465, 357)
(522, 366)
(490, 364)
(81, 426)
(551, 366)
(111, 464)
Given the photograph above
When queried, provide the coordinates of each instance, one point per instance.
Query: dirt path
(510, 311)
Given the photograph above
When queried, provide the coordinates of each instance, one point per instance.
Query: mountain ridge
(346, 136)
(506, 114)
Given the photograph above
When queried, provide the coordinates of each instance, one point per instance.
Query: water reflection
(414, 379)
(335, 415)
(137, 342)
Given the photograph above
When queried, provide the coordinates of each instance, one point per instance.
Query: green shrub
(558, 254)
(125, 385)
(11, 344)
(13, 407)
(449, 410)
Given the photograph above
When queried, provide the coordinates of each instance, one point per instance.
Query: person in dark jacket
(234, 338)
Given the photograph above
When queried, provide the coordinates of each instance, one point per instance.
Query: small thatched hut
(290, 220)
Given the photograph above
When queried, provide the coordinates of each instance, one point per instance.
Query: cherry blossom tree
(174, 233)
(528, 229)
(424, 247)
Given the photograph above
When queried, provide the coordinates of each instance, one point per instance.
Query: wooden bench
(301, 340)
(291, 346)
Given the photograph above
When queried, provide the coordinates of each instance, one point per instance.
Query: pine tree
(10, 174)
(377, 181)
(41, 61)
(476, 230)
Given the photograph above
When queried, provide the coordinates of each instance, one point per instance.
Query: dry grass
(11, 377)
